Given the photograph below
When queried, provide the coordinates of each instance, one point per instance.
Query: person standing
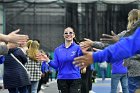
(15, 77)
(86, 74)
(68, 78)
(33, 65)
(103, 70)
(118, 73)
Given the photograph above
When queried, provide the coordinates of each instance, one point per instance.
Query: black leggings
(69, 85)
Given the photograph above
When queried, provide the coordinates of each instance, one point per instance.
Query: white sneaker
(40, 91)
(91, 91)
(43, 87)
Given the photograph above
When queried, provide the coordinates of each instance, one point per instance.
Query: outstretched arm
(14, 37)
(125, 48)
(53, 63)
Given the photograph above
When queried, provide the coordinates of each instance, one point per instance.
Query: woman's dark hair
(74, 39)
(49, 55)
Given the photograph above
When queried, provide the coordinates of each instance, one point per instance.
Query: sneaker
(91, 91)
(40, 91)
(43, 87)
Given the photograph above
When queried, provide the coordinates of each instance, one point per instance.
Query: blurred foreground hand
(85, 60)
(113, 38)
(17, 38)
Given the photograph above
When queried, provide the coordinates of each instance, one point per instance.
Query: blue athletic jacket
(2, 58)
(125, 48)
(63, 58)
(44, 67)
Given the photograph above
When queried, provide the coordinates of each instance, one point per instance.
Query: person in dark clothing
(15, 76)
(91, 69)
(85, 80)
(86, 74)
(44, 76)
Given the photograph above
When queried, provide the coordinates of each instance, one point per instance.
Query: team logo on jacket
(73, 53)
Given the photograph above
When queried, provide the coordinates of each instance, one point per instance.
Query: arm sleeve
(125, 48)
(102, 45)
(43, 66)
(127, 62)
(54, 63)
(122, 34)
(99, 45)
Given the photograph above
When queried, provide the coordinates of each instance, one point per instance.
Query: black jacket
(14, 74)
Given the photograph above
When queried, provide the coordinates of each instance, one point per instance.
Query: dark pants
(90, 79)
(43, 80)
(18, 90)
(84, 86)
(50, 75)
(69, 85)
(86, 81)
(94, 75)
(46, 78)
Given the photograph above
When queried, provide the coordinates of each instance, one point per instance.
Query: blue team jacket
(44, 67)
(125, 48)
(2, 59)
(63, 58)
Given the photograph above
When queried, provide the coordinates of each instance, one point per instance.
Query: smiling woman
(69, 77)
(69, 35)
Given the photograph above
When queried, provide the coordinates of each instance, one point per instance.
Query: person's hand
(42, 57)
(84, 61)
(84, 46)
(83, 70)
(42, 75)
(88, 42)
(110, 38)
(16, 38)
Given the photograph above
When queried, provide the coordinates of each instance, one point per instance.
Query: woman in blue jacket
(69, 78)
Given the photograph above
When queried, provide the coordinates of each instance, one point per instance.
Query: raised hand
(113, 38)
(84, 46)
(83, 70)
(42, 57)
(84, 61)
(88, 42)
(16, 38)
